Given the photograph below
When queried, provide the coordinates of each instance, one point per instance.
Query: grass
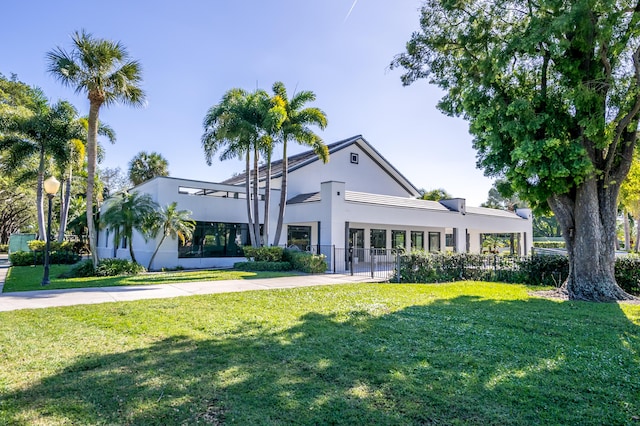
(27, 278)
(463, 353)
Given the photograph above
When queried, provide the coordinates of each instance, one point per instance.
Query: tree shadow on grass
(465, 360)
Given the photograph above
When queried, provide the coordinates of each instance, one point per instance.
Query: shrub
(306, 262)
(628, 274)
(26, 258)
(549, 244)
(264, 254)
(263, 266)
(544, 270)
(114, 267)
(82, 269)
(4, 248)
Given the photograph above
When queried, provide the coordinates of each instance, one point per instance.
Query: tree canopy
(551, 90)
(147, 165)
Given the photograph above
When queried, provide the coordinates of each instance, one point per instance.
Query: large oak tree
(551, 90)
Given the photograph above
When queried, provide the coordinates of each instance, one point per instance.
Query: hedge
(264, 254)
(306, 262)
(422, 267)
(27, 258)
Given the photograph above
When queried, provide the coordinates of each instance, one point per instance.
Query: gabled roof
(300, 160)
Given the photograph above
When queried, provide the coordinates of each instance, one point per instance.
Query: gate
(375, 263)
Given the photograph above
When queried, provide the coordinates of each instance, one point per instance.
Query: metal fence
(375, 263)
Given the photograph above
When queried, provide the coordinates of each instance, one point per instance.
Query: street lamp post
(51, 186)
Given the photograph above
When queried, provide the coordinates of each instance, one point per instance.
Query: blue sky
(193, 51)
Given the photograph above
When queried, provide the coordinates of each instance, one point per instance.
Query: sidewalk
(84, 296)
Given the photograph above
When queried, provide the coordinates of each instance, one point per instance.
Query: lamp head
(51, 185)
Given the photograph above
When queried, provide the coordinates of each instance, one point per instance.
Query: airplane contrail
(350, 10)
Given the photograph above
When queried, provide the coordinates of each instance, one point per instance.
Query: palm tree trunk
(635, 248)
(42, 232)
(64, 208)
(92, 138)
(283, 192)
(627, 231)
(256, 206)
(267, 200)
(153, 256)
(133, 257)
(247, 183)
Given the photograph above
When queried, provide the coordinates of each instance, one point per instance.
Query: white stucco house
(357, 199)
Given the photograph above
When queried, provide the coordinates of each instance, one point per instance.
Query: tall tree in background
(434, 194)
(296, 127)
(103, 70)
(242, 124)
(147, 165)
(552, 93)
(501, 196)
(43, 133)
(630, 200)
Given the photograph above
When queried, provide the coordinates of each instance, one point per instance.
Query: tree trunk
(133, 257)
(588, 223)
(627, 231)
(153, 256)
(256, 204)
(247, 183)
(283, 192)
(42, 231)
(92, 152)
(64, 209)
(637, 242)
(267, 200)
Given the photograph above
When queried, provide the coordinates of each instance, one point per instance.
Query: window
(299, 236)
(434, 241)
(354, 158)
(449, 240)
(398, 238)
(215, 239)
(417, 240)
(379, 238)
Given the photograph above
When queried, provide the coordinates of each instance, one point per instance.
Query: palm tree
(74, 163)
(145, 166)
(296, 128)
(236, 127)
(173, 223)
(126, 213)
(103, 70)
(42, 133)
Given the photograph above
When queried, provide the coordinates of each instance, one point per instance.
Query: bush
(628, 274)
(544, 270)
(264, 254)
(306, 262)
(82, 269)
(27, 258)
(549, 244)
(114, 267)
(77, 247)
(263, 266)
(4, 248)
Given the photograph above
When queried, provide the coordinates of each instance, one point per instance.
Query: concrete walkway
(84, 296)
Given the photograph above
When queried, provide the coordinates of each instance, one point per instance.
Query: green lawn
(463, 353)
(26, 278)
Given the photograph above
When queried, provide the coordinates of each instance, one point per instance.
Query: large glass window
(299, 236)
(434, 241)
(417, 240)
(398, 239)
(379, 238)
(215, 239)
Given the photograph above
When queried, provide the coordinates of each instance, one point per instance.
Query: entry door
(356, 240)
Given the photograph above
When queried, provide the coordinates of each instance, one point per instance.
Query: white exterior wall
(366, 176)
(164, 191)
(328, 216)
